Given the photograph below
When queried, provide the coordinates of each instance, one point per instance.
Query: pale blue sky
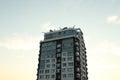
(23, 21)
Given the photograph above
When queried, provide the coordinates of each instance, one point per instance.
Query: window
(42, 66)
(41, 71)
(58, 65)
(58, 55)
(71, 44)
(52, 76)
(53, 56)
(58, 60)
(53, 65)
(59, 33)
(41, 76)
(70, 75)
(69, 69)
(47, 76)
(52, 70)
(48, 66)
(64, 53)
(53, 60)
(70, 54)
(64, 64)
(58, 50)
(64, 75)
(70, 64)
(58, 70)
(48, 56)
(63, 59)
(69, 58)
(63, 69)
(58, 76)
(47, 71)
(59, 45)
(64, 32)
(47, 61)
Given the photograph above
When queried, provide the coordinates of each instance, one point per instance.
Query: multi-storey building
(62, 55)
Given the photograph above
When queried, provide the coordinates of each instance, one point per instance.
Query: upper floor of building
(64, 32)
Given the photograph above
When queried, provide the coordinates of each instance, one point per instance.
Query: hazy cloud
(108, 47)
(113, 20)
(22, 42)
(103, 57)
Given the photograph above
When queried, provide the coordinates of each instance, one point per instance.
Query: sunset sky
(23, 23)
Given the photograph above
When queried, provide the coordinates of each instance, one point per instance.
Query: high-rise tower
(62, 55)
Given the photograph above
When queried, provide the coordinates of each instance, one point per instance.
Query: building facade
(62, 55)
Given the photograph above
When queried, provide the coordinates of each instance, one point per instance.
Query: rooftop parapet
(64, 32)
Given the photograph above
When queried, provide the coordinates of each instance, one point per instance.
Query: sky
(22, 27)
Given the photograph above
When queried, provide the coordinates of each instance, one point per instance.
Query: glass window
(47, 76)
(47, 71)
(48, 65)
(59, 33)
(70, 54)
(53, 65)
(70, 64)
(63, 59)
(59, 45)
(58, 65)
(47, 56)
(47, 61)
(58, 70)
(70, 75)
(64, 75)
(41, 71)
(53, 56)
(53, 60)
(58, 55)
(64, 53)
(64, 64)
(41, 76)
(69, 58)
(52, 76)
(69, 69)
(52, 70)
(63, 69)
(42, 66)
(58, 50)
(58, 76)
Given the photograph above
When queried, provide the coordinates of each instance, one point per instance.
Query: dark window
(64, 64)
(46, 71)
(70, 64)
(64, 75)
(59, 33)
(52, 76)
(47, 76)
